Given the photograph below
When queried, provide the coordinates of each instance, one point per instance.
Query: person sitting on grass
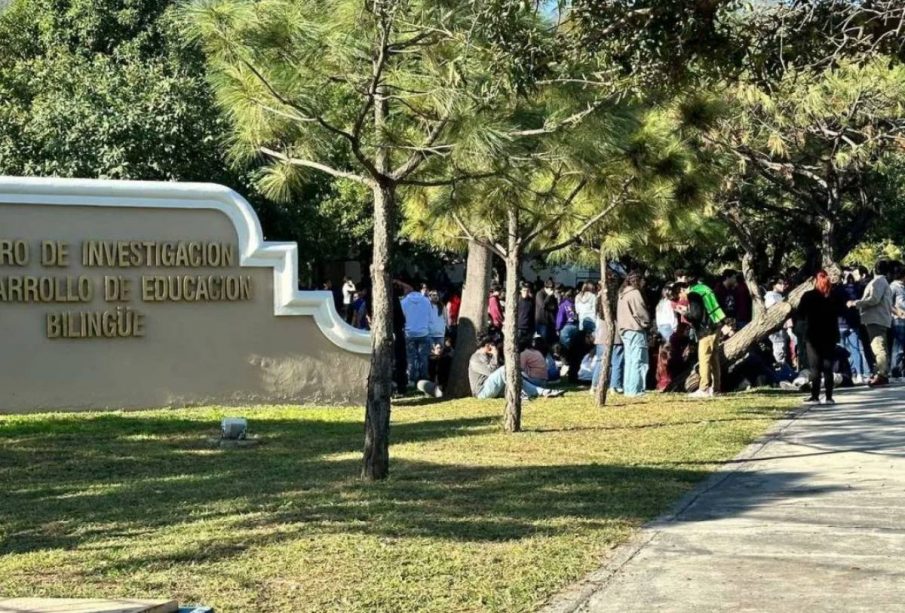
(487, 375)
(533, 363)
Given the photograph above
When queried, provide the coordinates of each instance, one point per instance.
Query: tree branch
(341, 174)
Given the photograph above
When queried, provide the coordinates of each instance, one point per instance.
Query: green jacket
(711, 304)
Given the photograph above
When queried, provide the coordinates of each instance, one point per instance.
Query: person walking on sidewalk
(876, 314)
(633, 321)
(820, 309)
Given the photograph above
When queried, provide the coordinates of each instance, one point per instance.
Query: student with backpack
(708, 320)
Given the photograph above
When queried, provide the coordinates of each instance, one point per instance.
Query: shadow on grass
(101, 478)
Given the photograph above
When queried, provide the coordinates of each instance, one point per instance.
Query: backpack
(696, 313)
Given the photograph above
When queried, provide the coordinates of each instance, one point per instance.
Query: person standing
(565, 315)
(876, 314)
(586, 306)
(453, 306)
(437, 325)
(850, 331)
(633, 321)
(667, 321)
(743, 303)
(725, 292)
(417, 309)
(898, 321)
(820, 309)
(525, 310)
(617, 359)
(348, 290)
(777, 339)
(540, 311)
(708, 321)
(495, 308)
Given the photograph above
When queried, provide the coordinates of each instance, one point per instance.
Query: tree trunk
(605, 311)
(376, 456)
(738, 346)
(512, 420)
(472, 317)
(376, 463)
(748, 271)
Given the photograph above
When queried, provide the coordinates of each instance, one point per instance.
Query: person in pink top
(495, 307)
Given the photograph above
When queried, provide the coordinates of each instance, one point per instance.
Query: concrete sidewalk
(813, 519)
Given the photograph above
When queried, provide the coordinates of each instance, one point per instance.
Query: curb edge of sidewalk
(572, 598)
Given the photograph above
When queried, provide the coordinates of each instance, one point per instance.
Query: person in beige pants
(876, 314)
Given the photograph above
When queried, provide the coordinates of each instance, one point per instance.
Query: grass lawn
(138, 504)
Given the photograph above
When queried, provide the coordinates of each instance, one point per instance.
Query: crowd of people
(841, 333)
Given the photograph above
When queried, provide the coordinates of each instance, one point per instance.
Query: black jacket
(526, 313)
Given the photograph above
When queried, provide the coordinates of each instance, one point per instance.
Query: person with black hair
(525, 310)
(487, 375)
(876, 314)
(898, 320)
(708, 320)
(775, 295)
(725, 292)
(495, 307)
(633, 321)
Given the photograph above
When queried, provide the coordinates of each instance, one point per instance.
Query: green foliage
(103, 90)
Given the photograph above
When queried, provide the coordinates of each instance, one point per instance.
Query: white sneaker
(702, 393)
(857, 380)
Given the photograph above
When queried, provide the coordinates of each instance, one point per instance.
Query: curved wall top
(253, 250)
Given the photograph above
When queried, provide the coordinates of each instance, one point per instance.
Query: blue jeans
(495, 386)
(636, 362)
(852, 343)
(617, 362)
(417, 350)
(898, 347)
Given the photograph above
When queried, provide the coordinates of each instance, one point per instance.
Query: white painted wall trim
(254, 251)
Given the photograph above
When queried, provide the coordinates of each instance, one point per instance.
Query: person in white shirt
(349, 290)
(774, 296)
(437, 327)
(586, 306)
(417, 310)
(667, 320)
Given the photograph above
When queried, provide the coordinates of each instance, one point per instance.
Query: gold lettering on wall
(118, 319)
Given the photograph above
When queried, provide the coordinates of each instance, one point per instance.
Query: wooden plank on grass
(86, 605)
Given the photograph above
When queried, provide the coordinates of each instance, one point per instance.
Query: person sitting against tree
(487, 375)
(820, 310)
(707, 320)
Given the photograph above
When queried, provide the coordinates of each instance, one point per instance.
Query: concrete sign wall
(120, 294)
